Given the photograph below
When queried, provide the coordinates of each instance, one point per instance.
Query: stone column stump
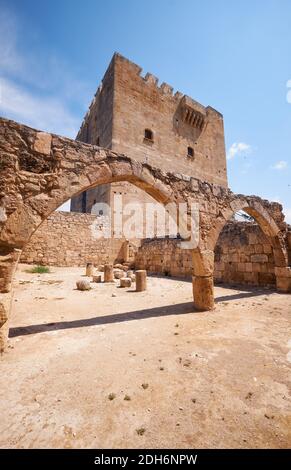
(203, 293)
(108, 273)
(89, 269)
(141, 280)
(283, 279)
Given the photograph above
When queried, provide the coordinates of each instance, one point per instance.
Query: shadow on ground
(166, 310)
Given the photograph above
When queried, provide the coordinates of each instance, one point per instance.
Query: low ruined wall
(243, 254)
(164, 256)
(65, 239)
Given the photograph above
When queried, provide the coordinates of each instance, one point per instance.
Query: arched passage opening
(27, 229)
(249, 247)
(244, 255)
(42, 171)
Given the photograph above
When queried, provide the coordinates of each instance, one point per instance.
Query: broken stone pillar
(89, 269)
(108, 273)
(203, 293)
(283, 279)
(141, 280)
(125, 251)
(8, 264)
(5, 305)
(97, 278)
(202, 281)
(125, 282)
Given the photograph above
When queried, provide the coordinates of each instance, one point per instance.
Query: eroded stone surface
(42, 143)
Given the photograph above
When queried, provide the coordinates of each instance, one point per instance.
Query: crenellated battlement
(130, 105)
(164, 89)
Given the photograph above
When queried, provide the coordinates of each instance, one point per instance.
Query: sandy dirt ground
(112, 368)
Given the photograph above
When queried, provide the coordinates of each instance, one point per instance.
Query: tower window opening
(149, 135)
(190, 152)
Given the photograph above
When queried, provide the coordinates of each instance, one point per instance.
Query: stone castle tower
(133, 115)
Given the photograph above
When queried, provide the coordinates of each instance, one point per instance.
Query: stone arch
(255, 209)
(40, 171)
(23, 222)
(34, 204)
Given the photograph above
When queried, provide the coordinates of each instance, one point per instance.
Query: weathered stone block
(83, 285)
(283, 272)
(283, 284)
(42, 143)
(118, 273)
(248, 267)
(125, 282)
(260, 258)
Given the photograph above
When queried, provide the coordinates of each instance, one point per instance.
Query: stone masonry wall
(243, 254)
(176, 120)
(164, 256)
(65, 239)
(126, 103)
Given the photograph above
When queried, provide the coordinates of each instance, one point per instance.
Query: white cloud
(287, 212)
(276, 199)
(280, 165)
(38, 89)
(238, 148)
(48, 113)
(9, 59)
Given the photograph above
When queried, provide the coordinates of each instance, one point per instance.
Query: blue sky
(234, 56)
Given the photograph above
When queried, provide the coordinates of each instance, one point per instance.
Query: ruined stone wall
(164, 256)
(65, 239)
(40, 171)
(243, 254)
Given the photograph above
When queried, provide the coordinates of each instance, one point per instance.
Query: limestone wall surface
(243, 254)
(164, 256)
(66, 239)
